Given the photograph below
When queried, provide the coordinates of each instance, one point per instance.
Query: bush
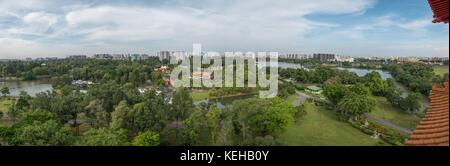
(299, 87)
(148, 138)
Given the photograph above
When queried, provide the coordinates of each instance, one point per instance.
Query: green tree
(148, 138)
(190, 133)
(104, 137)
(97, 114)
(356, 105)
(360, 89)
(212, 121)
(377, 85)
(29, 117)
(335, 92)
(119, 117)
(412, 102)
(274, 119)
(181, 106)
(23, 101)
(5, 91)
(48, 133)
(68, 107)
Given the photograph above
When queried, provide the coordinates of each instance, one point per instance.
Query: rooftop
(433, 129)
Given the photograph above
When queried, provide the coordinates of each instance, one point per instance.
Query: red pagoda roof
(433, 130)
(440, 10)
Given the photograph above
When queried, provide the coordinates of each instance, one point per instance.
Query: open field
(320, 127)
(441, 70)
(385, 110)
(200, 95)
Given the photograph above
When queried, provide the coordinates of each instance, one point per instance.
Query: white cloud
(12, 48)
(34, 23)
(81, 26)
(250, 20)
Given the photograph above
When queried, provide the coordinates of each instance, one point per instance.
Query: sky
(58, 28)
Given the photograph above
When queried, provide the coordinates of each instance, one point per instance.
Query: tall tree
(181, 107)
(119, 117)
(5, 91)
(355, 105)
(104, 137)
(148, 138)
(48, 133)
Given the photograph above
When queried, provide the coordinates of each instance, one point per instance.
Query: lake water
(362, 72)
(31, 87)
(282, 65)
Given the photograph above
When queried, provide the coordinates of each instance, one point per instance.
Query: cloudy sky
(40, 28)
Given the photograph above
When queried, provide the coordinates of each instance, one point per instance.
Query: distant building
(296, 56)
(407, 59)
(120, 57)
(180, 55)
(324, 57)
(345, 59)
(46, 59)
(77, 57)
(136, 57)
(103, 56)
(164, 55)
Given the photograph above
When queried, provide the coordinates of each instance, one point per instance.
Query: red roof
(433, 130)
(440, 10)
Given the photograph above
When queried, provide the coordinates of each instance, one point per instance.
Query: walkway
(389, 124)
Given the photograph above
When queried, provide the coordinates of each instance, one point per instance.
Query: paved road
(389, 124)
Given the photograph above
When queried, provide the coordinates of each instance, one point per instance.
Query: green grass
(292, 99)
(385, 110)
(4, 123)
(200, 95)
(441, 70)
(321, 127)
(4, 105)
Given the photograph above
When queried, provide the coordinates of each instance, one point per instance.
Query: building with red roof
(433, 130)
(440, 10)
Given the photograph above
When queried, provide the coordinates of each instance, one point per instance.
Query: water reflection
(362, 72)
(31, 87)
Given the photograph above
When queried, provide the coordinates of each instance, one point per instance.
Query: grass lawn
(4, 123)
(199, 95)
(441, 70)
(320, 127)
(4, 105)
(385, 110)
(292, 99)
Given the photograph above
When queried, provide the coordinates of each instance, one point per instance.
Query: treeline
(417, 77)
(342, 85)
(63, 71)
(318, 75)
(112, 115)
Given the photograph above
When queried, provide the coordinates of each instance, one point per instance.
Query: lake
(362, 72)
(282, 65)
(31, 87)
